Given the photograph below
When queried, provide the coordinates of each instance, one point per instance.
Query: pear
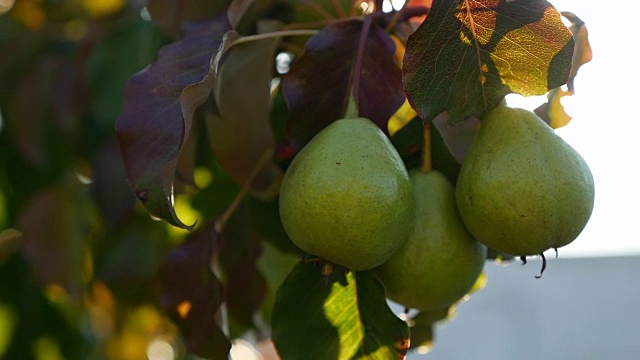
(522, 189)
(440, 261)
(346, 196)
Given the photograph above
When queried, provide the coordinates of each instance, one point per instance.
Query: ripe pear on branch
(441, 261)
(522, 189)
(346, 196)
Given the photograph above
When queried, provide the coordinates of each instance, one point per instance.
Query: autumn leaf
(337, 63)
(467, 55)
(151, 129)
(192, 295)
(553, 111)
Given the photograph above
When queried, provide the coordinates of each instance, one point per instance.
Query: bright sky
(605, 128)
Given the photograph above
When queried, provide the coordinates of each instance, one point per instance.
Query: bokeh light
(6, 5)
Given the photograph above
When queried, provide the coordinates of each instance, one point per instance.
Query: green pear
(522, 189)
(440, 261)
(346, 196)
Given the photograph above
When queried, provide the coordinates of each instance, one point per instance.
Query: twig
(222, 221)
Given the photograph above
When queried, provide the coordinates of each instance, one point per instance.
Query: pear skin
(346, 196)
(522, 189)
(440, 261)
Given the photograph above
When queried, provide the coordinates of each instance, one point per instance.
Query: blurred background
(84, 284)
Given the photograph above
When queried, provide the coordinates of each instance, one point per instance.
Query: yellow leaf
(402, 116)
(557, 114)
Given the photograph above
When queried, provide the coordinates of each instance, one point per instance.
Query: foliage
(142, 148)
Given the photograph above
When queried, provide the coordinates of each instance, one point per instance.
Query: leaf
(320, 82)
(192, 295)
(343, 316)
(553, 111)
(53, 236)
(240, 131)
(274, 265)
(151, 129)
(582, 53)
(245, 288)
(468, 54)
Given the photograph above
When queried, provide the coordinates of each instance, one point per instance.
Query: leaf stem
(426, 164)
(357, 66)
(395, 18)
(264, 159)
(274, 34)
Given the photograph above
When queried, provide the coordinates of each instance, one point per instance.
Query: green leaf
(467, 55)
(341, 316)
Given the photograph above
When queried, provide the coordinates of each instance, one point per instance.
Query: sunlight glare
(283, 62)
(6, 5)
(160, 350)
(243, 350)
(144, 14)
(525, 102)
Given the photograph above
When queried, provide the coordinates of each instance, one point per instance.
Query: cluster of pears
(348, 198)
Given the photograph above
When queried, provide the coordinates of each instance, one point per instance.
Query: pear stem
(426, 165)
(222, 221)
(352, 108)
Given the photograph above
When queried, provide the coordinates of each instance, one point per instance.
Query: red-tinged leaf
(335, 66)
(151, 129)
(192, 295)
(468, 54)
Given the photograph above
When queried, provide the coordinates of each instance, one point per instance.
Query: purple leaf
(192, 295)
(151, 129)
(318, 87)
